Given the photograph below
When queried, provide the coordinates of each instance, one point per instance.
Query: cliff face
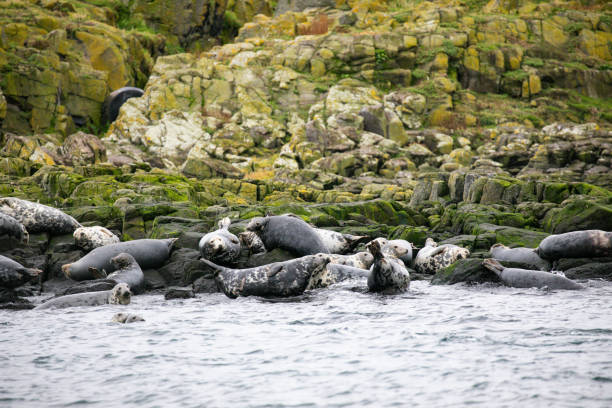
(488, 120)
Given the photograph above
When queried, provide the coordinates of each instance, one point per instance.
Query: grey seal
(338, 243)
(252, 242)
(13, 274)
(399, 248)
(220, 246)
(11, 227)
(116, 99)
(127, 271)
(38, 217)
(524, 278)
(526, 257)
(287, 232)
(577, 244)
(280, 279)
(90, 238)
(431, 258)
(127, 318)
(334, 273)
(361, 260)
(388, 274)
(149, 253)
(119, 295)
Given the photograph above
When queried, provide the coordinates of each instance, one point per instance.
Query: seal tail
(212, 267)
(225, 223)
(493, 265)
(66, 270)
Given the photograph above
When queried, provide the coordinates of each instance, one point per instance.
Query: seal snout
(66, 270)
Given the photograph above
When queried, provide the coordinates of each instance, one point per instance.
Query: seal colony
(314, 258)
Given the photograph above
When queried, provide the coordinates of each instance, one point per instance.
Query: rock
(176, 292)
(578, 214)
(265, 258)
(205, 285)
(464, 270)
(83, 149)
(284, 6)
(594, 270)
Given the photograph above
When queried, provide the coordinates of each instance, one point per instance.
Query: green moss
(533, 62)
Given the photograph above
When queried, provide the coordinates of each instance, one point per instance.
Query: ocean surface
(434, 346)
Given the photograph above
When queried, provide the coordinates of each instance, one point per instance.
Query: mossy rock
(556, 192)
(415, 235)
(173, 227)
(468, 270)
(107, 216)
(580, 214)
(517, 237)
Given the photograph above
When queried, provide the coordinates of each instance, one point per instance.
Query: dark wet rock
(205, 284)
(58, 259)
(565, 264)
(183, 267)
(265, 258)
(153, 279)
(468, 270)
(593, 270)
(189, 239)
(177, 292)
(11, 300)
(96, 285)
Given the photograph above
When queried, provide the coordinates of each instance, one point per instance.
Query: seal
(149, 253)
(90, 238)
(287, 232)
(361, 260)
(280, 279)
(398, 248)
(577, 244)
(338, 243)
(38, 217)
(431, 258)
(116, 99)
(526, 257)
(220, 246)
(524, 278)
(127, 318)
(252, 242)
(119, 295)
(11, 227)
(127, 271)
(335, 273)
(387, 274)
(13, 274)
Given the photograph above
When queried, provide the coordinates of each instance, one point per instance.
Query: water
(434, 346)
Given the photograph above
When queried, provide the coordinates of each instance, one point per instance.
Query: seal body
(127, 318)
(388, 274)
(127, 271)
(13, 274)
(524, 278)
(577, 244)
(338, 243)
(38, 217)
(90, 238)
(361, 260)
(399, 248)
(13, 228)
(526, 257)
(432, 257)
(119, 295)
(287, 232)
(280, 279)
(252, 242)
(334, 273)
(149, 253)
(220, 246)
(116, 99)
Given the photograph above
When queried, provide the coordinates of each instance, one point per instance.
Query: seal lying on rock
(149, 253)
(287, 232)
(119, 295)
(280, 279)
(252, 242)
(361, 260)
(127, 271)
(127, 318)
(13, 228)
(524, 278)
(432, 257)
(387, 274)
(334, 273)
(577, 244)
(220, 246)
(116, 99)
(37, 217)
(526, 257)
(13, 274)
(89, 238)
(398, 248)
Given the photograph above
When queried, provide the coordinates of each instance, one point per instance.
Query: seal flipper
(274, 270)
(355, 240)
(97, 274)
(224, 223)
(216, 269)
(493, 265)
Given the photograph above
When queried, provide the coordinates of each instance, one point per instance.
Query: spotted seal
(577, 244)
(289, 233)
(252, 242)
(149, 253)
(335, 273)
(280, 279)
(90, 238)
(220, 246)
(116, 99)
(388, 274)
(11, 227)
(13, 274)
(524, 278)
(38, 217)
(526, 257)
(361, 260)
(127, 318)
(398, 248)
(119, 295)
(432, 257)
(127, 271)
